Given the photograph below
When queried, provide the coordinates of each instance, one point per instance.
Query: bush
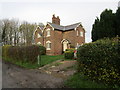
(21, 53)
(100, 61)
(5, 51)
(69, 53)
(42, 50)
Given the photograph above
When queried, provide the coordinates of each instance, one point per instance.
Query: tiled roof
(64, 28)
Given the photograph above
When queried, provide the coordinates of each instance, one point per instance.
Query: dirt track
(50, 77)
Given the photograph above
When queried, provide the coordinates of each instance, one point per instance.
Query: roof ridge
(73, 24)
(64, 28)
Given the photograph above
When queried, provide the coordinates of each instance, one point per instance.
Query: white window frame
(39, 43)
(47, 45)
(38, 35)
(48, 32)
(77, 44)
(81, 33)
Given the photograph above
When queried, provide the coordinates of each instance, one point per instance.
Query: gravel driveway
(17, 77)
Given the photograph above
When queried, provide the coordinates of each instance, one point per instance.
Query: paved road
(17, 77)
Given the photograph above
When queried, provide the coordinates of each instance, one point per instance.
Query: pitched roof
(64, 28)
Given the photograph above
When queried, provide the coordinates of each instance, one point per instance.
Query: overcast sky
(69, 11)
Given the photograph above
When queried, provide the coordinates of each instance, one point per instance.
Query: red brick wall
(57, 36)
(57, 42)
(79, 39)
(73, 38)
(55, 39)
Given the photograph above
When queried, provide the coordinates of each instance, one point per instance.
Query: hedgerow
(21, 53)
(69, 53)
(100, 61)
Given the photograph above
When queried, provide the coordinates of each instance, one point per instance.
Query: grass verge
(45, 59)
(80, 81)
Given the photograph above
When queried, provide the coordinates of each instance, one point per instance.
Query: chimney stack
(55, 20)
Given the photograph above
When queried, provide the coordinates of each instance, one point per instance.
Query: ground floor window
(48, 45)
(39, 43)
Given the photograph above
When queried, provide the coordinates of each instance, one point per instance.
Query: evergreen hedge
(100, 60)
(69, 53)
(22, 53)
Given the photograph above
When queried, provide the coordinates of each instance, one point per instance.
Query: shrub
(71, 49)
(100, 61)
(42, 50)
(21, 53)
(5, 50)
(69, 53)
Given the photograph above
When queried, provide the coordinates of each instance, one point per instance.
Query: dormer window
(81, 33)
(48, 32)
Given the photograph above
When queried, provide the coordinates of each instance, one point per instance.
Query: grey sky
(69, 11)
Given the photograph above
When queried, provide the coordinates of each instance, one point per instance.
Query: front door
(65, 45)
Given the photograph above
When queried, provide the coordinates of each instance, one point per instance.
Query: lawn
(80, 81)
(45, 59)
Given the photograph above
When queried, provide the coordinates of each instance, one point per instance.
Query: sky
(69, 11)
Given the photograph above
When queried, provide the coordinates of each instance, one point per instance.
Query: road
(17, 77)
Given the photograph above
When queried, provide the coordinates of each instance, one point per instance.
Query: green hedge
(69, 53)
(22, 53)
(42, 50)
(100, 61)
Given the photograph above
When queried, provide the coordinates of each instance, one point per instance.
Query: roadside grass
(80, 81)
(45, 59)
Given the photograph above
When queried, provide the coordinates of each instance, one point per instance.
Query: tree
(95, 29)
(118, 22)
(27, 30)
(105, 27)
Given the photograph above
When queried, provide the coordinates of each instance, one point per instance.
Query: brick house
(57, 38)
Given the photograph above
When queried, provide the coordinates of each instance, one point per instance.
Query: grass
(80, 81)
(45, 59)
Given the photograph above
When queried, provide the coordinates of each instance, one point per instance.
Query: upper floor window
(48, 32)
(48, 45)
(38, 35)
(81, 34)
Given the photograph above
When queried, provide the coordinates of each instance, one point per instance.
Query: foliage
(5, 51)
(100, 61)
(117, 19)
(71, 49)
(69, 53)
(105, 26)
(14, 33)
(42, 50)
(79, 80)
(21, 53)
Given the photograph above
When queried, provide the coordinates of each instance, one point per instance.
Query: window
(38, 35)
(48, 32)
(48, 45)
(77, 44)
(39, 43)
(81, 34)
(77, 32)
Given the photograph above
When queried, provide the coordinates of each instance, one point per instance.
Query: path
(49, 76)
